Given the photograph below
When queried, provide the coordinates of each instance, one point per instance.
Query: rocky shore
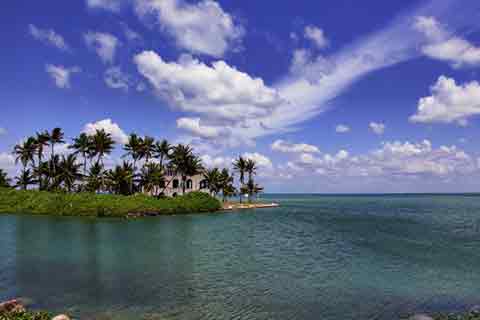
(15, 310)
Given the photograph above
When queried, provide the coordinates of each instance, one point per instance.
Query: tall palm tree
(147, 148)
(133, 149)
(82, 145)
(119, 179)
(42, 139)
(226, 184)
(55, 137)
(25, 152)
(251, 169)
(69, 171)
(185, 163)
(240, 166)
(152, 178)
(162, 151)
(102, 144)
(213, 179)
(25, 179)
(4, 179)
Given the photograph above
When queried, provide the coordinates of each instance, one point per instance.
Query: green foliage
(25, 316)
(93, 205)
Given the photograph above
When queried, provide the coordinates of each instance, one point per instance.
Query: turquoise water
(316, 257)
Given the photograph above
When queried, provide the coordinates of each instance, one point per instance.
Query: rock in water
(12, 306)
(475, 310)
(61, 317)
(420, 317)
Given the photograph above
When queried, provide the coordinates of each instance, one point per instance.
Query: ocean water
(316, 257)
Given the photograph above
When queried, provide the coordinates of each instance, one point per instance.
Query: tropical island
(155, 178)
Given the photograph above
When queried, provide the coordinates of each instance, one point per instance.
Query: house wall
(196, 185)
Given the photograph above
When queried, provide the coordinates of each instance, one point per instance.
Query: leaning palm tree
(240, 166)
(82, 145)
(4, 179)
(162, 151)
(185, 163)
(69, 172)
(25, 152)
(25, 179)
(54, 138)
(102, 145)
(213, 179)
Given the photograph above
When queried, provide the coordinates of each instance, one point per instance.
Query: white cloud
(7, 163)
(393, 159)
(219, 91)
(104, 44)
(202, 27)
(48, 36)
(449, 102)
(341, 128)
(61, 75)
(261, 160)
(110, 5)
(194, 126)
(317, 36)
(130, 34)
(377, 128)
(443, 45)
(118, 135)
(115, 78)
(286, 147)
(216, 162)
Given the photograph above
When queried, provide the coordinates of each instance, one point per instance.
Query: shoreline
(229, 206)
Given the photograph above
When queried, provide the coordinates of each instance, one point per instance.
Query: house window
(189, 184)
(203, 184)
(162, 184)
(175, 184)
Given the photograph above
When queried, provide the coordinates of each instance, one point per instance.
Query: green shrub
(94, 205)
(25, 316)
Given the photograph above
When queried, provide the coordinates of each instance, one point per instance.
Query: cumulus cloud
(261, 160)
(202, 27)
(110, 5)
(7, 161)
(341, 128)
(104, 44)
(449, 102)
(216, 162)
(286, 147)
(317, 36)
(443, 45)
(61, 75)
(377, 128)
(118, 135)
(193, 126)
(393, 159)
(115, 78)
(219, 91)
(49, 37)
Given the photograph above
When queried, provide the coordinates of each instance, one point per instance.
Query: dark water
(316, 257)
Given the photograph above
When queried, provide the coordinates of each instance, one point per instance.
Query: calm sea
(316, 257)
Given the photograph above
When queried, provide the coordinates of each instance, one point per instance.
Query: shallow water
(316, 257)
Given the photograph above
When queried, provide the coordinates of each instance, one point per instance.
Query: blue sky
(327, 96)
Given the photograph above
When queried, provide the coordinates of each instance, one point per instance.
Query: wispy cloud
(49, 37)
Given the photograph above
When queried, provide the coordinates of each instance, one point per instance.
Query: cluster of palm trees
(150, 166)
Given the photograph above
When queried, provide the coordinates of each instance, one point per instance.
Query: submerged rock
(420, 317)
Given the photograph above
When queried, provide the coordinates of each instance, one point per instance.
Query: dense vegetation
(25, 315)
(90, 204)
(79, 182)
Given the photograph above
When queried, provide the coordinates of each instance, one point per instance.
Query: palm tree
(69, 171)
(133, 148)
(162, 151)
(4, 179)
(55, 137)
(25, 179)
(119, 179)
(253, 189)
(251, 169)
(240, 166)
(25, 152)
(147, 148)
(213, 179)
(152, 178)
(226, 184)
(95, 178)
(185, 163)
(41, 139)
(102, 144)
(82, 145)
